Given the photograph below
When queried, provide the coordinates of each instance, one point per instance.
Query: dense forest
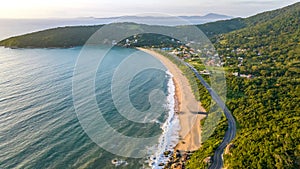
(71, 36)
(64, 37)
(265, 104)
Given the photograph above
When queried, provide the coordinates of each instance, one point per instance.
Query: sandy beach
(187, 107)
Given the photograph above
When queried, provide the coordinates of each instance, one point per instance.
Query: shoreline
(186, 107)
(169, 138)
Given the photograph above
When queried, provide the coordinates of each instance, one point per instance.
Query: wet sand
(187, 107)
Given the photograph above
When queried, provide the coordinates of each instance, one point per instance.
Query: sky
(109, 8)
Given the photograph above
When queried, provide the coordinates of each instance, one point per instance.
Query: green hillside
(71, 36)
(265, 106)
(220, 27)
(63, 37)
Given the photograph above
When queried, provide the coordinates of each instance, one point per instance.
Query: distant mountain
(80, 34)
(205, 17)
(215, 15)
(170, 20)
(208, 17)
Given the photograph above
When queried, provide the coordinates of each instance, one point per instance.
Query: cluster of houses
(129, 42)
(185, 52)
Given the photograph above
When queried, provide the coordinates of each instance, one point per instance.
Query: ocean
(41, 124)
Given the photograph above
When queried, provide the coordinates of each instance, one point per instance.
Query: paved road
(217, 160)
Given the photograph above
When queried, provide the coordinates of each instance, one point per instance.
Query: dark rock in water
(161, 164)
(166, 153)
(177, 154)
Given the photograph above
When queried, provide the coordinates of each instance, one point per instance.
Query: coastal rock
(228, 148)
(178, 160)
(167, 153)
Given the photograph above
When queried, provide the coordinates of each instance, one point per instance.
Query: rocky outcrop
(178, 160)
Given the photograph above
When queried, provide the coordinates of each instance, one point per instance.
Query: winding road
(217, 160)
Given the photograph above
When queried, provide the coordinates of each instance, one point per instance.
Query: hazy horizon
(119, 16)
(55, 9)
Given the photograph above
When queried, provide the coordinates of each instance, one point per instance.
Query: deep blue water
(39, 127)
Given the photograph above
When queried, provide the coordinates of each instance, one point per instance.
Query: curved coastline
(186, 106)
(169, 137)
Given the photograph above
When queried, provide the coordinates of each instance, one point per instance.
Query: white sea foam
(171, 127)
(118, 162)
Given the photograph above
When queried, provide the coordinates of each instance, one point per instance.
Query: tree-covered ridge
(226, 26)
(65, 37)
(62, 37)
(269, 15)
(220, 27)
(266, 106)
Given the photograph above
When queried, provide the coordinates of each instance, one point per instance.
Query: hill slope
(65, 37)
(62, 37)
(77, 35)
(266, 106)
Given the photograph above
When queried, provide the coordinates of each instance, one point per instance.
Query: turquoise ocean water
(39, 127)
